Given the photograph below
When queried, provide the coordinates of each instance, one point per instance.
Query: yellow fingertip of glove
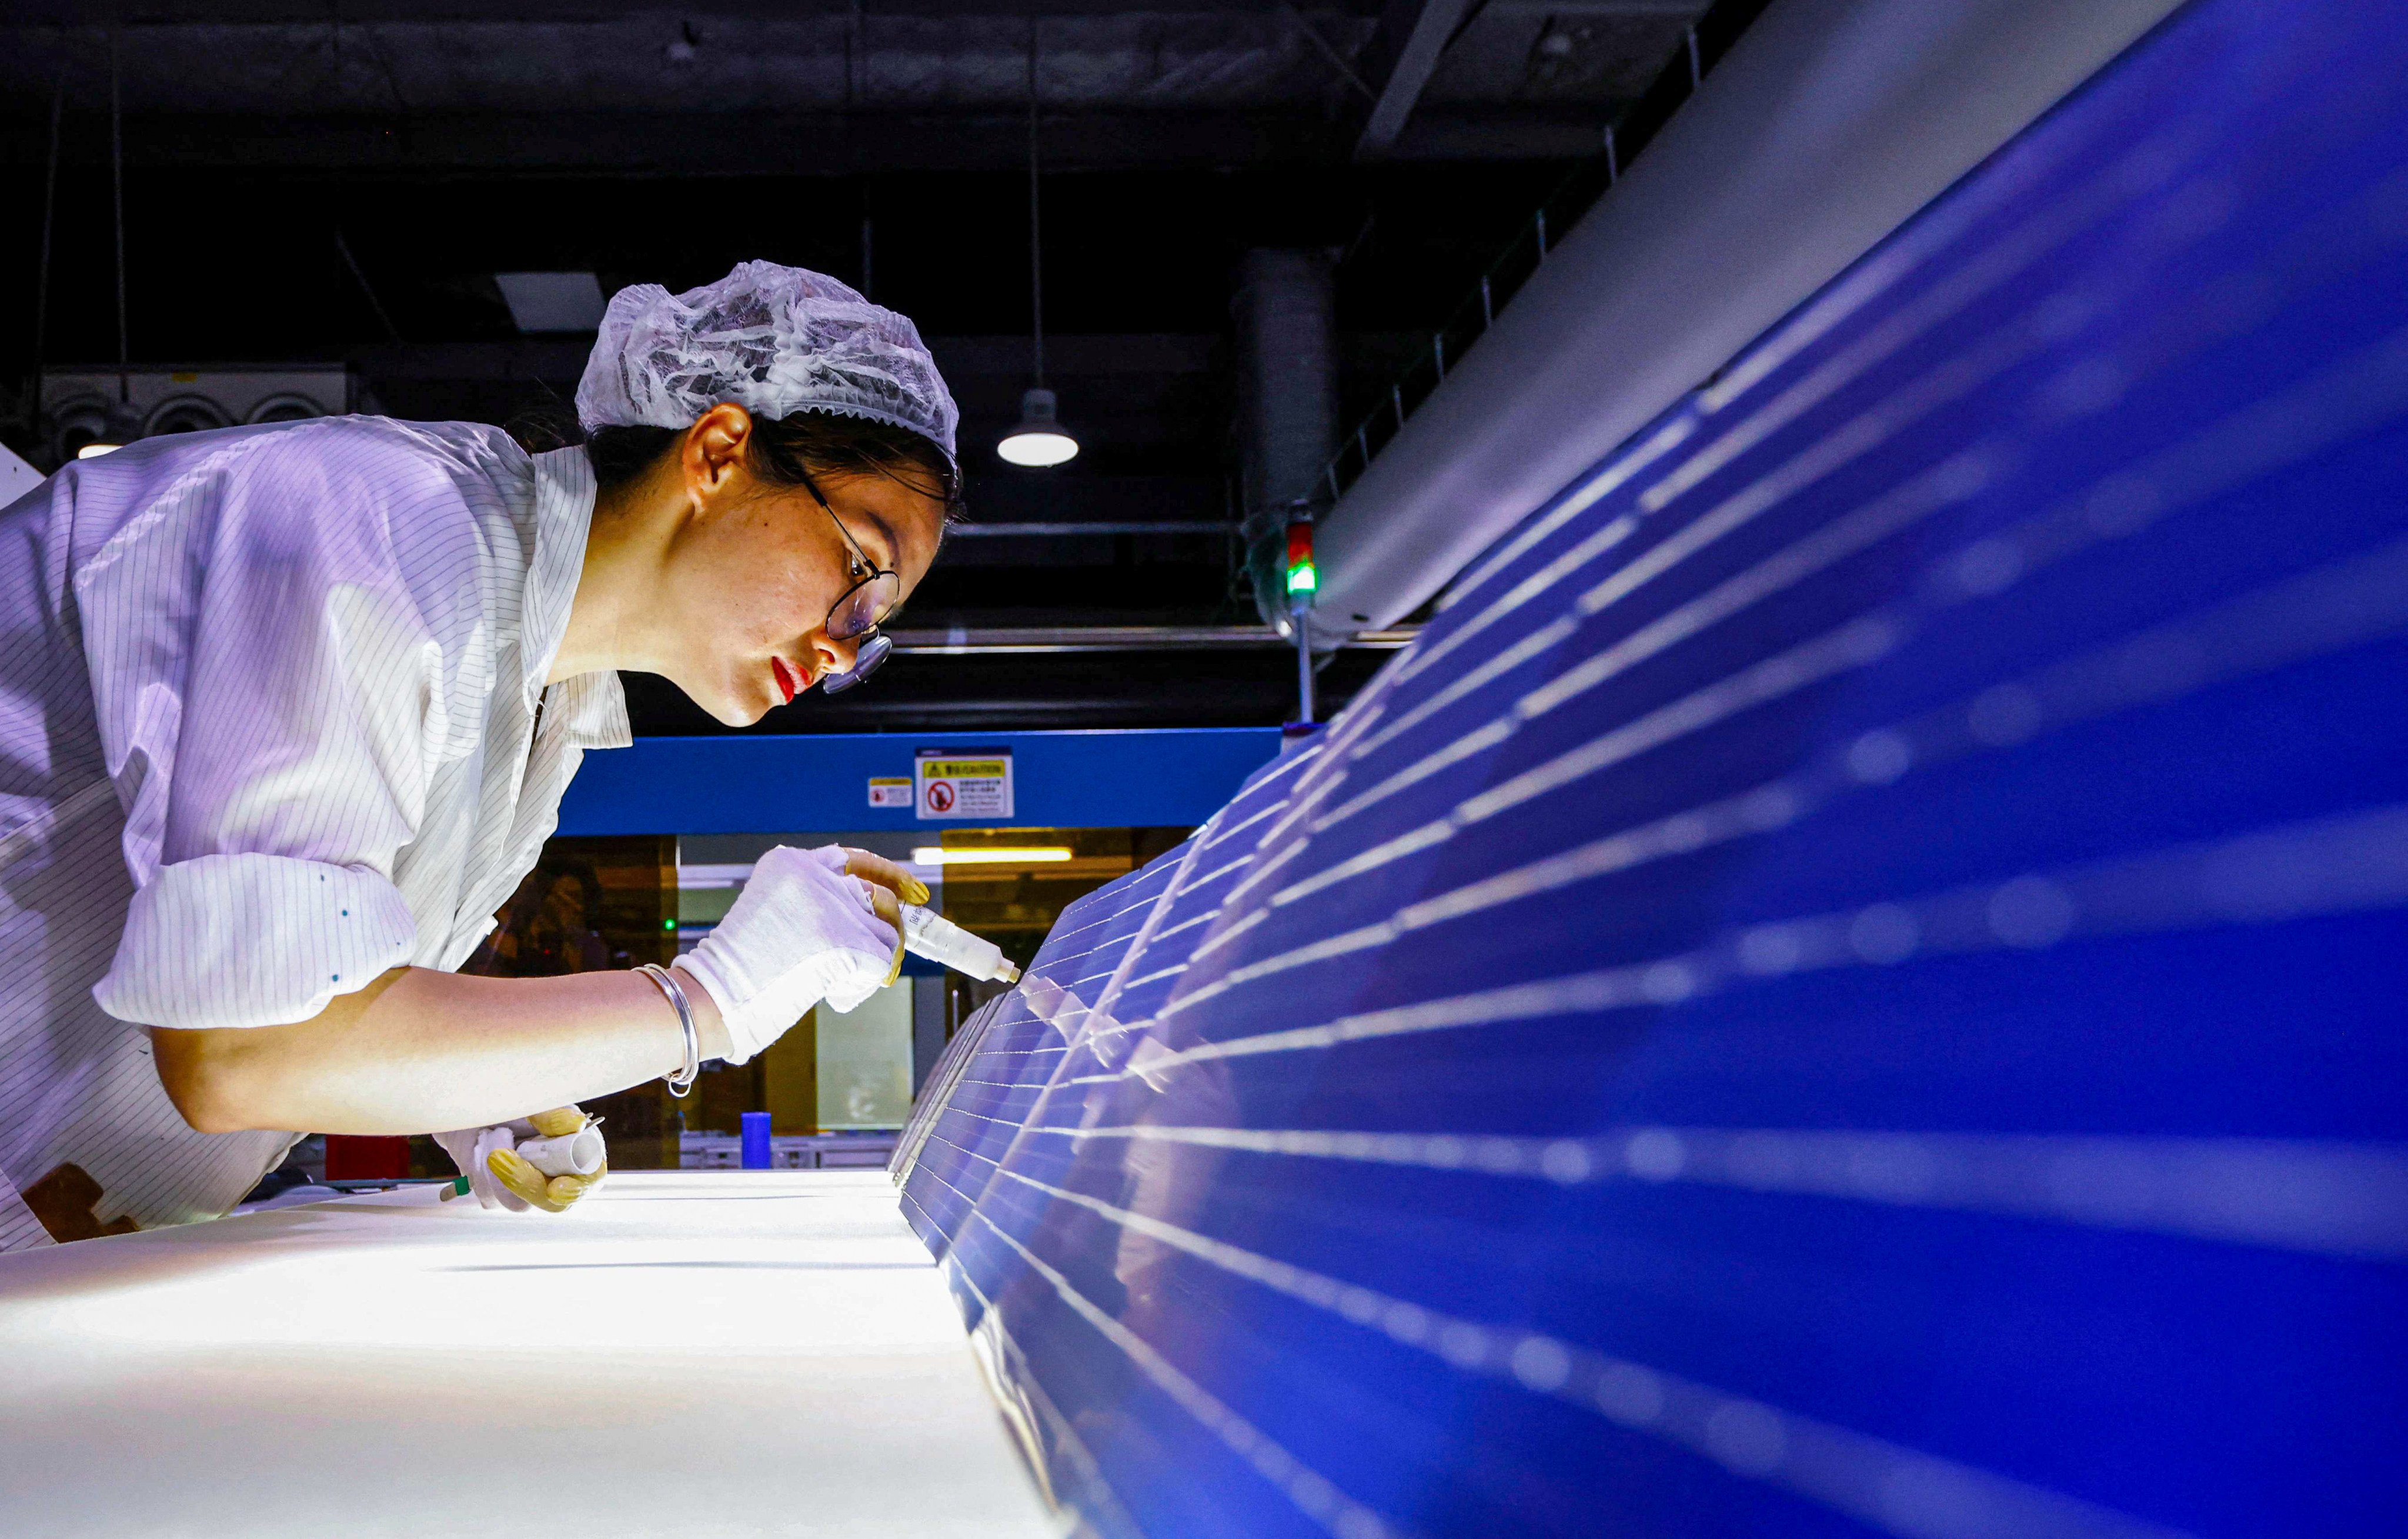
(559, 1123)
(896, 970)
(915, 890)
(530, 1186)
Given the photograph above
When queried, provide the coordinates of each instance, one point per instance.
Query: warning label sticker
(964, 785)
(890, 791)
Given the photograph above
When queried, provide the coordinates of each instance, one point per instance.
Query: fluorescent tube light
(994, 855)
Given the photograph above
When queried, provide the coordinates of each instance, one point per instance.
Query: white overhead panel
(17, 478)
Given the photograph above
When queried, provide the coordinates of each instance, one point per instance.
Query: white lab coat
(268, 726)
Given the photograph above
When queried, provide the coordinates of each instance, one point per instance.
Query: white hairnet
(774, 340)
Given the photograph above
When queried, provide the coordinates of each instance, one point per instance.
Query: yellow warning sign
(963, 786)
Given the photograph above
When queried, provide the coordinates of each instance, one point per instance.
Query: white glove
(472, 1151)
(801, 931)
(468, 1148)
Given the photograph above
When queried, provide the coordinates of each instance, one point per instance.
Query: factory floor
(717, 1353)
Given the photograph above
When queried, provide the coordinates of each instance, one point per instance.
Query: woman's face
(564, 905)
(752, 575)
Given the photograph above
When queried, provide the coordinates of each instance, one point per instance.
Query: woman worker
(286, 714)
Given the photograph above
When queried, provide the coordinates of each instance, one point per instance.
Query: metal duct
(1829, 123)
(1288, 404)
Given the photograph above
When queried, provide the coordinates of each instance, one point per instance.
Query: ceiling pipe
(1287, 406)
(1829, 123)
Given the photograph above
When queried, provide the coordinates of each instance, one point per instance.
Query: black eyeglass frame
(876, 571)
(872, 648)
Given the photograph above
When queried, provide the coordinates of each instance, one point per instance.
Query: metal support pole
(117, 196)
(42, 282)
(1303, 665)
(1036, 230)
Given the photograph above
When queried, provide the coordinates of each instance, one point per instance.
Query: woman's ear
(712, 456)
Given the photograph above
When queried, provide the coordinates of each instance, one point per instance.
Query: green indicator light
(668, 924)
(1301, 578)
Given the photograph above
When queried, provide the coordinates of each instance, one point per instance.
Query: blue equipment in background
(796, 783)
(1851, 981)
(754, 1149)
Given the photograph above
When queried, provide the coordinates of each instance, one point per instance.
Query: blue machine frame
(818, 784)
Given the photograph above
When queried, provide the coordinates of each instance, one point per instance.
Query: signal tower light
(1302, 582)
(1303, 579)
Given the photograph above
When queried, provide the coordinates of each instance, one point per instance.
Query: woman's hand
(889, 886)
(806, 928)
(500, 1173)
(880, 872)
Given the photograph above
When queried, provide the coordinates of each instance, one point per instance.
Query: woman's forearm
(423, 1051)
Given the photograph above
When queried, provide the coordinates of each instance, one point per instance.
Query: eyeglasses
(860, 609)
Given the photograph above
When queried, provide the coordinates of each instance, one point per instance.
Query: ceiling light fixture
(1038, 440)
(992, 855)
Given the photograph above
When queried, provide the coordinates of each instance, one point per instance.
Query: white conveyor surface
(723, 1353)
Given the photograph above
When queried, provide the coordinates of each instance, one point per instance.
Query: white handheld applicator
(925, 934)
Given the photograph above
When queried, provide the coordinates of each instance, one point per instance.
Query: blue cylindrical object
(756, 1140)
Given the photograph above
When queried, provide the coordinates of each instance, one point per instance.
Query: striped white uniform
(268, 726)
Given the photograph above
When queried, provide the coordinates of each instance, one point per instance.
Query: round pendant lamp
(1038, 440)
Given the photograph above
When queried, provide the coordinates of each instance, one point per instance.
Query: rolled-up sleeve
(268, 660)
(252, 940)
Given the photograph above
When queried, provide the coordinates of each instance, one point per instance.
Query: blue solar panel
(1850, 979)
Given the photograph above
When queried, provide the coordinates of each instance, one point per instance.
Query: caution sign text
(963, 785)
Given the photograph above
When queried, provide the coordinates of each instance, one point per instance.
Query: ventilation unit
(82, 407)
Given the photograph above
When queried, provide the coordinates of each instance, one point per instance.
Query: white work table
(725, 1353)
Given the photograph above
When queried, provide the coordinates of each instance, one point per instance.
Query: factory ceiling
(342, 182)
(889, 85)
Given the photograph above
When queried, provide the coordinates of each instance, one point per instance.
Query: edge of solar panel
(1009, 1044)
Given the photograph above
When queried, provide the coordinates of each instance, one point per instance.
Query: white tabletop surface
(706, 1353)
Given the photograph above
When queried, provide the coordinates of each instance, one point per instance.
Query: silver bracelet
(682, 1080)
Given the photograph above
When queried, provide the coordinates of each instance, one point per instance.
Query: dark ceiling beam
(1412, 37)
(783, 144)
(1082, 529)
(1680, 10)
(962, 641)
(1411, 40)
(1192, 687)
(96, 14)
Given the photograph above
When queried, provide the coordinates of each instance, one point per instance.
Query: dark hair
(787, 449)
